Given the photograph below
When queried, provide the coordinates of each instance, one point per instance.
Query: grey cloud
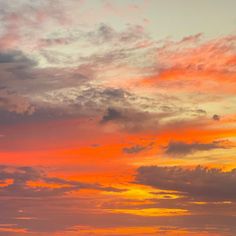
(51, 98)
(131, 119)
(200, 182)
(122, 115)
(81, 101)
(106, 34)
(200, 111)
(216, 117)
(136, 148)
(182, 148)
(104, 96)
(20, 85)
(20, 177)
(116, 93)
(111, 115)
(112, 50)
(15, 57)
(103, 34)
(13, 102)
(49, 93)
(56, 99)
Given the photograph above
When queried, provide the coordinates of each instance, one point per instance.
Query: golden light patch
(143, 193)
(153, 212)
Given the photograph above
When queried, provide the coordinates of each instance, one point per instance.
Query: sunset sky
(117, 117)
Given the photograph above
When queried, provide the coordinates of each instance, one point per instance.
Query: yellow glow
(144, 193)
(152, 212)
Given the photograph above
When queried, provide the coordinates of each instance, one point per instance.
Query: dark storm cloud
(200, 182)
(20, 176)
(182, 148)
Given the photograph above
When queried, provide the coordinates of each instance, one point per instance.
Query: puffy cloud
(209, 184)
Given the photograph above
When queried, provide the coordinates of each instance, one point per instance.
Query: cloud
(210, 184)
(14, 57)
(192, 64)
(22, 21)
(12, 102)
(20, 177)
(132, 120)
(111, 51)
(182, 148)
(137, 113)
(216, 117)
(137, 148)
(105, 34)
(111, 115)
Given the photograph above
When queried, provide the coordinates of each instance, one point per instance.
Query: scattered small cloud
(137, 148)
(216, 117)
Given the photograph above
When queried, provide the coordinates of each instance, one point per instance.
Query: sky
(117, 117)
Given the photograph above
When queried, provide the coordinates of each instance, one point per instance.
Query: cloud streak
(182, 148)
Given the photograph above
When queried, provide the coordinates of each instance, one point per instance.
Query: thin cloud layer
(181, 148)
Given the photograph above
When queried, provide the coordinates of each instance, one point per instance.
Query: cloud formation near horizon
(209, 184)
